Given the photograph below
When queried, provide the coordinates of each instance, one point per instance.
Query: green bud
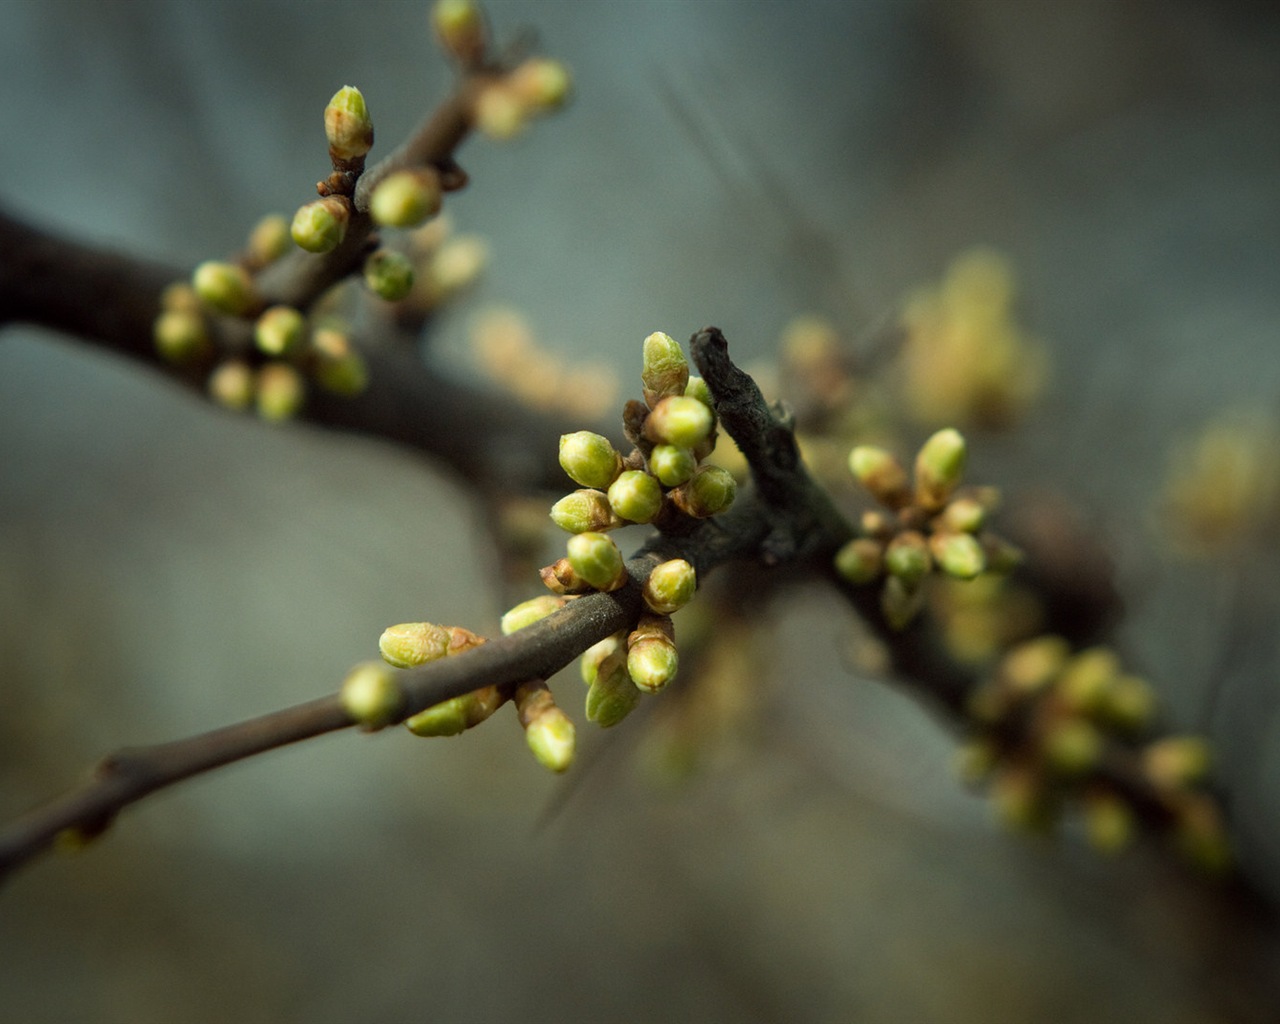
(280, 392)
(595, 655)
(963, 515)
(224, 287)
(347, 125)
(231, 385)
(528, 612)
(670, 586)
(413, 643)
(679, 420)
(388, 274)
(861, 560)
(321, 225)
(451, 717)
(1034, 664)
(1176, 762)
(541, 84)
(339, 368)
(652, 661)
(958, 554)
(1109, 822)
(1129, 703)
(280, 330)
(180, 335)
(939, 468)
(697, 388)
(559, 578)
(405, 198)
(900, 603)
(635, 496)
(551, 737)
(665, 370)
(500, 112)
(597, 560)
(269, 240)
(708, 492)
(907, 558)
(1072, 746)
(1086, 680)
(612, 695)
(671, 465)
(370, 695)
(459, 26)
(881, 474)
(583, 511)
(589, 459)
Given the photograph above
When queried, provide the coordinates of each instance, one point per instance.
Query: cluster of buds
(1052, 727)
(928, 524)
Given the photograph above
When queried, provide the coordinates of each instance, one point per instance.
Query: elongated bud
(939, 468)
(907, 558)
(526, 613)
(280, 392)
(589, 459)
(635, 496)
(269, 240)
(181, 336)
(1176, 761)
(413, 643)
(388, 274)
(679, 420)
(671, 465)
(279, 331)
(459, 26)
(596, 559)
(231, 385)
(451, 717)
(900, 603)
(583, 511)
(670, 586)
(542, 84)
(320, 226)
(665, 371)
(547, 729)
(958, 554)
(652, 660)
(370, 695)
(881, 474)
(224, 287)
(611, 695)
(347, 125)
(709, 491)
(1072, 746)
(405, 198)
(861, 560)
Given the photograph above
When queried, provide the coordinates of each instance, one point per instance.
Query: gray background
(165, 569)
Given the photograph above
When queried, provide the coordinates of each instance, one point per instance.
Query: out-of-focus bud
(881, 474)
(963, 515)
(1129, 703)
(405, 198)
(451, 717)
(958, 554)
(671, 465)
(280, 392)
(1087, 678)
(900, 603)
(231, 385)
(280, 330)
(584, 511)
(1071, 746)
(413, 643)
(542, 84)
(635, 496)
(370, 696)
(589, 459)
(459, 25)
(1034, 664)
(339, 368)
(861, 560)
(500, 112)
(907, 558)
(1020, 801)
(679, 420)
(1176, 761)
(320, 226)
(652, 660)
(181, 336)
(939, 468)
(708, 492)
(269, 240)
(665, 371)
(347, 124)
(596, 559)
(1109, 822)
(224, 287)
(388, 274)
(670, 586)
(1201, 834)
(526, 613)
(975, 760)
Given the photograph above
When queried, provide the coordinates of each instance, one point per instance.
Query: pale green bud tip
(671, 465)
(224, 287)
(231, 385)
(1177, 761)
(404, 199)
(679, 420)
(413, 643)
(582, 511)
(389, 274)
(269, 239)
(635, 496)
(698, 388)
(880, 473)
(280, 392)
(597, 560)
(370, 695)
(347, 124)
(907, 558)
(528, 612)
(551, 737)
(861, 560)
(448, 718)
(710, 490)
(589, 459)
(320, 226)
(958, 554)
(665, 370)
(180, 335)
(652, 662)
(940, 467)
(611, 697)
(594, 656)
(670, 586)
(460, 28)
(279, 330)
(543, 84)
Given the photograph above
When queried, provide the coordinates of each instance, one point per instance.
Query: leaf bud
(405, 198)
(670, 586)
(413, 643)
(542, 84)
(671, 465)
(679, 420)
(268, 241)
(958, 554)
(180, 335)
(451, 717)
(370, 695)
(939, 468)
(347, 124)
(907, 558)
(635, 496)
(596, 559)
(708, 492)
(589, 459)
(547, 729)
(861, 560)
(1175, 762)
(881, 474)
(459, 26)
(224, 287)
(321, 225)
(279, 331)
(652, 660)
(231, 385)
(526, 613)
(388, 274)
(1071, 746)
(280, 392)
(612, 695)
(584, 510)
(665, 371)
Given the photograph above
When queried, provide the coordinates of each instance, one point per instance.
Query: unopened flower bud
(269, 240)
(1109, 822)
(1176, 761)
(596, 559)
(280, 330)
(451, 717)
(652, 660)
(405, 198)
(900, 603)
(1087, 678)
(939, 468)
(583, 511)
(665, 370)
(671, 465)
(697, 388)
(861, 560)
(594, 656)
(708, 492)
(881, 474)
(370, 695)
(975, 760)
(231, 385)
(547, 729)
(320, 226)
(459, 26)
(1034, 664)
(679, 420)
(413, 643)
(346, 375)
(347, 124)
(963, 515)
(500, 112)
(388, 274)
(1129, 703)
(541, 84)
(612, 695)
(528, 612)
(589, 459)
(670, 586)
(180, 335)
(635, 496)
(224, 287)
(958, 554)
(280, 392)
(907, 558)
(559, 578)
(1072, 746)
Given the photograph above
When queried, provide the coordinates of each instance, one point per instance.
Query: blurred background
(165, 568)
